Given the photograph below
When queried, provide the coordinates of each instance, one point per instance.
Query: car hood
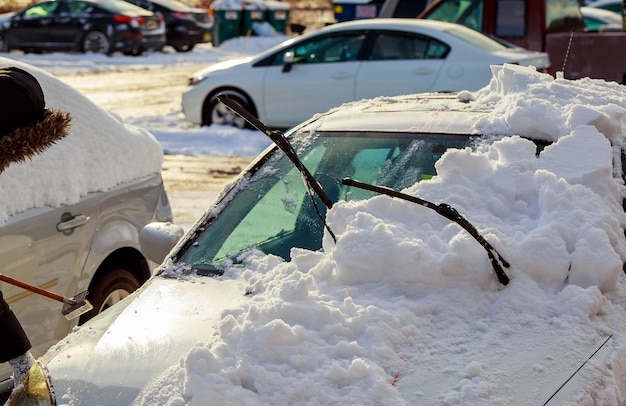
(221, 66)
(109, 359)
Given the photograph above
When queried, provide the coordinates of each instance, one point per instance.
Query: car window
(390, 46)
(563, 14)
(41, 10)
(79, 7)
(511, 18)
(340, 47)
(476, 39)
(273, 212)
(465, 12)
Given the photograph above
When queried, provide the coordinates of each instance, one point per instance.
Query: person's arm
(15, 345)
(13, 337)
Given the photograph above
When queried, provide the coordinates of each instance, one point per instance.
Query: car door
(45, 247)
(323, 75)
(68, 22)
(400, 63)
(32, 26)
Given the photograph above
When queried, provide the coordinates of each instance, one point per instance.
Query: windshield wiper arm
(448, 212)
(281, 142)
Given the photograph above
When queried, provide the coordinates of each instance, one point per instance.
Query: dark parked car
(100, 26)
(185, 26)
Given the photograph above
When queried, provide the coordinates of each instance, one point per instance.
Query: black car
(100, 26)
(185, 26)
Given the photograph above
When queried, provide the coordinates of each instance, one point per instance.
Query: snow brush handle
(35, 289)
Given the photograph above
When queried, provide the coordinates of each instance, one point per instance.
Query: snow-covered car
(348, 61)
(599, 19)
(614, 6)
(273, 299)
(70, 218)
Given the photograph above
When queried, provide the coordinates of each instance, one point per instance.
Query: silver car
(90, 240)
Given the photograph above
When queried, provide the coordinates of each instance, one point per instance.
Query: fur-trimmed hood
(29, 140)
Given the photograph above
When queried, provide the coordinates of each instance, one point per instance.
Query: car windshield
(271, 210)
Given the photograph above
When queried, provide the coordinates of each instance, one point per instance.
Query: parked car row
(105, 26)
(142, 349)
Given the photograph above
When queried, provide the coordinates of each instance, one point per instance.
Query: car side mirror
(157, 240)
(288, 59)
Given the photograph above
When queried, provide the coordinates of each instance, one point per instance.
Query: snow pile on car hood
(405, 307)
(100, 152)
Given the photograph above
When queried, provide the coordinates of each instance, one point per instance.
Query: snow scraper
(73, 307)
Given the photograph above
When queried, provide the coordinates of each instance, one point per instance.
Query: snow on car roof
(100, 152)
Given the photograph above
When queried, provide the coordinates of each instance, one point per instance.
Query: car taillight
(134, 21)
(181, 15)
(122, 19)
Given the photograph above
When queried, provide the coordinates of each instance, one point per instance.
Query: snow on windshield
(406, 295)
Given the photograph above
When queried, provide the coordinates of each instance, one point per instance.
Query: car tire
(114, 286)
(96, 42)
(215, 112)
(134, 52)
(186, 47)
(3, 45)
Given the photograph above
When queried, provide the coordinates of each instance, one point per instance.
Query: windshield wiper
(448, 212)
(278, 138)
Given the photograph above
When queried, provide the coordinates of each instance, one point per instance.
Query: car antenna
(448, 212)
(281, 142)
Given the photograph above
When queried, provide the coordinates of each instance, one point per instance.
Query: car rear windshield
(271, 210)
(477, 39)
(122, 7)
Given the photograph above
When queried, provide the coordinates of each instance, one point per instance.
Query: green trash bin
(278, 15)
(251, 16)
(227, 24)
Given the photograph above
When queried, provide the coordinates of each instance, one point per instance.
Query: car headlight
(34, 390)
(194, 80)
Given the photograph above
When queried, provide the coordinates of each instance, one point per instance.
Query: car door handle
(73, 222)
(423, 71)
(342, 75)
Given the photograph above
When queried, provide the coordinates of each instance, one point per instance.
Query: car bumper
(192, 102)
(153, 42)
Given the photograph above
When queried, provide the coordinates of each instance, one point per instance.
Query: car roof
(441, 113)
(598, 3)
(392, 23)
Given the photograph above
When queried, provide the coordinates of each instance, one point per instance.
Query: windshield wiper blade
(278, 138)
(448, 212)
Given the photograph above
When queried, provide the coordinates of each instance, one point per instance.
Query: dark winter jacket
(18, 343)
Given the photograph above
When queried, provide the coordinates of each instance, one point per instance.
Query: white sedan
(349, 61)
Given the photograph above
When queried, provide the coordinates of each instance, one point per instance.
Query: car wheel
(215, 112)
(134, 52)
(96, 42)
(186, 47)
(114, 286)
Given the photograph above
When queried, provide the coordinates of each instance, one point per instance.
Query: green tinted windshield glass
(272, 212)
